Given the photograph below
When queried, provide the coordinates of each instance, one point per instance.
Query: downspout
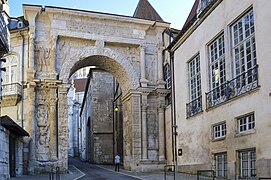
(113, 107)
(22, 91)
(173, 111)
(57, 148)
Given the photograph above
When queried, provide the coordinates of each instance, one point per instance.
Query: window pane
(244, 49)
(217, 66)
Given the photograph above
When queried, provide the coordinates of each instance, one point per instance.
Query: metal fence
(54, 174)
(206, 175)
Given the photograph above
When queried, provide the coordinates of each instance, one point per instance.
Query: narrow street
(95, 172)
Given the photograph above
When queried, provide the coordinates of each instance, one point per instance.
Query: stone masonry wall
(4, 153)
(102, 116)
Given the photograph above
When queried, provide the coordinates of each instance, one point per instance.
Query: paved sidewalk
(75, 174)
(158, 175)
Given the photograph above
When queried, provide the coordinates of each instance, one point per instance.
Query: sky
(172, 11)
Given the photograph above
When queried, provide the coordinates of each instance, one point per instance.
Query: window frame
(221, 130)
(248, 124)
(217, 59)
(250, 163)
(167, 76)
(10, 75)
(196, 76)
(243, 48)
(224, 165)
(194, 86)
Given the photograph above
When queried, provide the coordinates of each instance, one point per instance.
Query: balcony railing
(194, 107)
(242, 84)
(4, 33)
(12, 89)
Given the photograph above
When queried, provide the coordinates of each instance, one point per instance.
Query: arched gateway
(61, 41)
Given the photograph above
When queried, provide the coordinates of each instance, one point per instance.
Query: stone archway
(128, 78)
(61, 41)
(104, 58)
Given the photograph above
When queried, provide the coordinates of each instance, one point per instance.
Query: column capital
(143, 46)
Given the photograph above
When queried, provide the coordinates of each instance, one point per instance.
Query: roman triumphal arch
(61, 41)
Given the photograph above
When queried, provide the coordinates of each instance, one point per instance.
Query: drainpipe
(173, 112)
(113, 107)
(22, 93)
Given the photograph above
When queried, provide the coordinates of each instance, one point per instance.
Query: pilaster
(144, 105)
(160, 78)
(63, 126)
(161, 94)
(143, 79)
(30, 124)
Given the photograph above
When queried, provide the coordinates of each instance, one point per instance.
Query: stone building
(49, 44)
(75, 98)
(222, 70)
(11, 134)
(97, 119)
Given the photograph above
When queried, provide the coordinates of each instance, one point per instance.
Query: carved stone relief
(43, 57)
(43, 133)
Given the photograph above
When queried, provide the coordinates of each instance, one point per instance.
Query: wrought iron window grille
(194, 107)
(241, 84)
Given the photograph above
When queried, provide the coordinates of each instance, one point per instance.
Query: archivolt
(106, 59)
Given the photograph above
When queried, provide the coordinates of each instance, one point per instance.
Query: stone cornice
(162, 92)
(47, 83)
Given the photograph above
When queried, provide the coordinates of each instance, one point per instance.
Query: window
(246, 123)
(167, 76)
(244, 50)
(244, 63)
(203, 4)
(248, 164)
(217, 67)
(221, 165)
(219, 130)
(10, 76)
(195, 105)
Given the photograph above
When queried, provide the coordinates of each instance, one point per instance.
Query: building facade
(222, 84)
(51, 43)
(11, 134)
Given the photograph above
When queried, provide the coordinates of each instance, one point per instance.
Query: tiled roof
(144, 10)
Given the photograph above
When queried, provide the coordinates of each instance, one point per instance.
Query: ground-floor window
(221, 165)
(248, 163)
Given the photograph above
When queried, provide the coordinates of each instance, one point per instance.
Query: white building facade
(222, 84)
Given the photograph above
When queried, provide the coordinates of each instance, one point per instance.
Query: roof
(80, 84)
(14, 128)
(144, 10)
(192, 17)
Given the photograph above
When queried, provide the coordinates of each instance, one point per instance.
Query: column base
(144, 82)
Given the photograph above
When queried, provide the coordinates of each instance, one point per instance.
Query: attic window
(20, 24)
(203, 4)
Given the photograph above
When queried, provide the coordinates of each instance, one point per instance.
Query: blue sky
(173, 11)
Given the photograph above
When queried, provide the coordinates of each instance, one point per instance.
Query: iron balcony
(241, 84)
